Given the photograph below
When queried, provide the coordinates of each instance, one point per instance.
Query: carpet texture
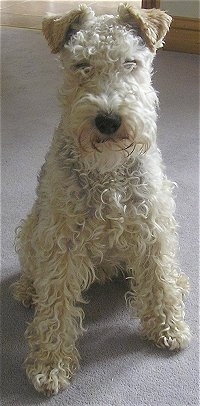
(118, 367)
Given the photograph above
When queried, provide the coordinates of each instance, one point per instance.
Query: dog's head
(109, 103)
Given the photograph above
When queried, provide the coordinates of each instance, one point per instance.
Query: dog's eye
(130, 65)
(83, 67)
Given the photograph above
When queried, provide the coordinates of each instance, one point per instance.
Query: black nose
(107, 123)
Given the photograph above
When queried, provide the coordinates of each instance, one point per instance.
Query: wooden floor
(29, 13)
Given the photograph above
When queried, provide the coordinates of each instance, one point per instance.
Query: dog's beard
(108, 152)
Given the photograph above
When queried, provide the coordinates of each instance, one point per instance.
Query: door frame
(184, 33)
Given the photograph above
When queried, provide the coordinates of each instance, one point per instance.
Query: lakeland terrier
(104, 204)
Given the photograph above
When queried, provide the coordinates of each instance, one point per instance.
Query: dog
(104, 205)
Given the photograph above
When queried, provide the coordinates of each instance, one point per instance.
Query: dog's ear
(58, 29)
(152, 24)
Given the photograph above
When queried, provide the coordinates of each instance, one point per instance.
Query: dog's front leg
(53, 357)
(157, 289)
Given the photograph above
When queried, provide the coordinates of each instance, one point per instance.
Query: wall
(181, 8)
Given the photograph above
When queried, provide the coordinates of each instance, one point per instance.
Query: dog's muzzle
(108, 124)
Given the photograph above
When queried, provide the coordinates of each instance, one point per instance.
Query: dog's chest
(108, 200)
(110, 209)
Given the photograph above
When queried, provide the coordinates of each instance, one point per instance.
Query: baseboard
(184, 35)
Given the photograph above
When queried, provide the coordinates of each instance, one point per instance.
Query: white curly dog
(104, 205)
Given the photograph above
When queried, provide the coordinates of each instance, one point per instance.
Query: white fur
(101, 207)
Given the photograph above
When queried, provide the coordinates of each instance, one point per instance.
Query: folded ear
(58, 29)
(152, 24)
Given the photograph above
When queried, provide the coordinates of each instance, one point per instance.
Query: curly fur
(104, 204)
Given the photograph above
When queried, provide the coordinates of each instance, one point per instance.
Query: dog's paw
(172, 337)
(51, 376)
(175, 339)
(47, 380)
(173, 343)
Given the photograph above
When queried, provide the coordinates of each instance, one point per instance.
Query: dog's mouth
(101, 139)
(112, 134)
(117, 141)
